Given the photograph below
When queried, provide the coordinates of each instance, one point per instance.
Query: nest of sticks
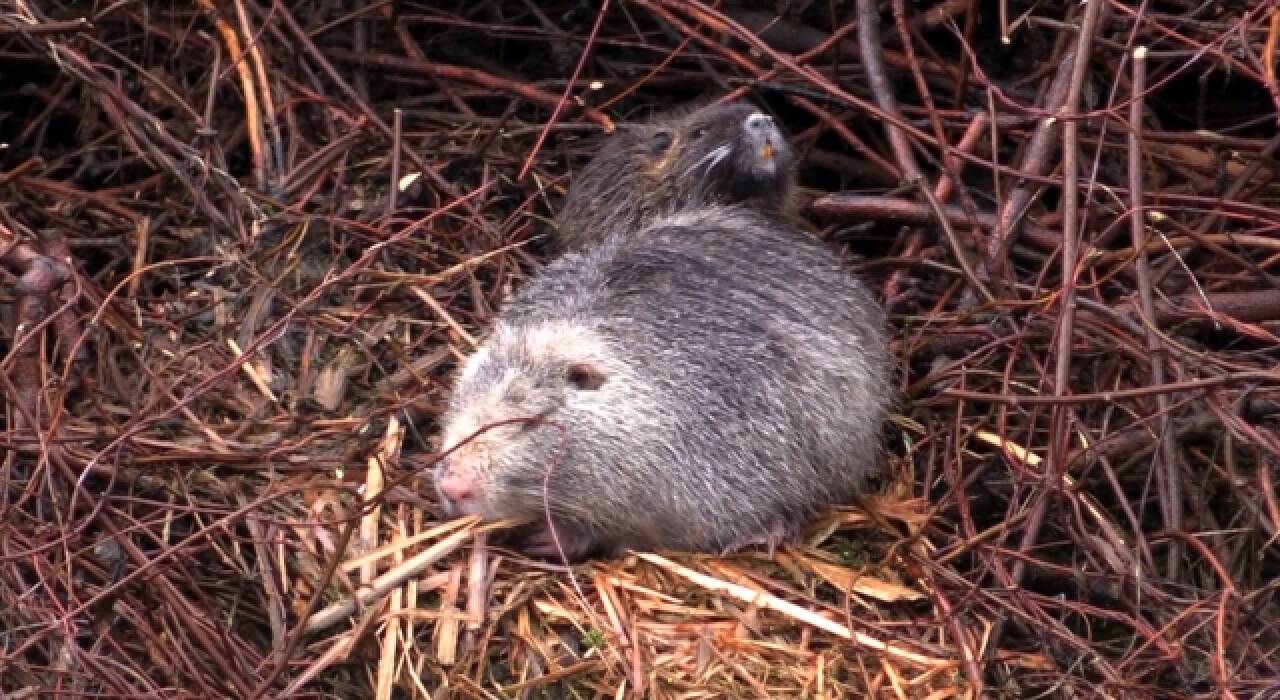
(244, 244)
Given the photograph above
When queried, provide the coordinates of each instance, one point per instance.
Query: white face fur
(524, 373)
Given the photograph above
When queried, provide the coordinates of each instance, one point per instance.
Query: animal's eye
(660, 143)
(585, 377)
(700, 132)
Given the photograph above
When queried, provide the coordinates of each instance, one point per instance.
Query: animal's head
(535, 394)
(727, 153)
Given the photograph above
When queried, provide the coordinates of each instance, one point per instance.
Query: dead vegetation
(243, 243)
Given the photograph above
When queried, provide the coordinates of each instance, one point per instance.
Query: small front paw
(772, 538)
(562, 544)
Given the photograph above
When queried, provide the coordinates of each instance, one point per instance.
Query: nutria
(685, 159)
(708, 384)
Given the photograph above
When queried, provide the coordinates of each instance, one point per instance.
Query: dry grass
(236, 278)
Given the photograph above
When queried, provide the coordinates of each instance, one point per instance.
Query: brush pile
(243, 244)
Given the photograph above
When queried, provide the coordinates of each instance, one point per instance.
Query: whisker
(715, 156)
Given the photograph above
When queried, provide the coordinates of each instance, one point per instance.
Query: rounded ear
(660, 142)
(585, 376)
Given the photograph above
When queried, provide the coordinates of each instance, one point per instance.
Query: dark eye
(585, 377)
(660, 143)
(700, 132)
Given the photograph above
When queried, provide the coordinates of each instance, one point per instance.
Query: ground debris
(244, 244)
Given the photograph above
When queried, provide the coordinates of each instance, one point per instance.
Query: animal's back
(761, 364)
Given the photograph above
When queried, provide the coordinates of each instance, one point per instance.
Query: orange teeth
(766, 151)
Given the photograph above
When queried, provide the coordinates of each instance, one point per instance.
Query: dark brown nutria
(685, 159)
(710, 383)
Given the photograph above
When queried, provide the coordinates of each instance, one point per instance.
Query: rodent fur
(687, 158)
(737, 374)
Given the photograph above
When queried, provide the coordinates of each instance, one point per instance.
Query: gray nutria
(704, 386)
(685, 159)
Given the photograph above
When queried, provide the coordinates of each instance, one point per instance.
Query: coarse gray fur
(745, 381)
(688, 158)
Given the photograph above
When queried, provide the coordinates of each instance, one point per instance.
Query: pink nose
(457, 487)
